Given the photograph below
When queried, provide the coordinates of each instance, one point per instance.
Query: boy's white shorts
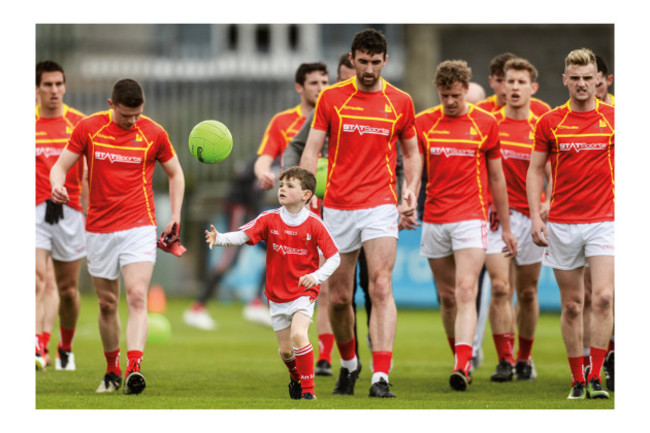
(282, 313)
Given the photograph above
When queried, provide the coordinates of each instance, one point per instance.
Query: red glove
(172, 242)
(494, 221)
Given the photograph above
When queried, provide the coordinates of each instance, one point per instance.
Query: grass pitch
(237, 367)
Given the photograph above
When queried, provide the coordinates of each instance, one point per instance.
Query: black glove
(53, 212)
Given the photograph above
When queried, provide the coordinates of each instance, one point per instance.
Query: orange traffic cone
(156, 300)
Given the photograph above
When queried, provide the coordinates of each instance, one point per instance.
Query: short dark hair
(306, 178)
(498, 62)
(128, 92)
(47, 66)
(308, 68)
(601, 66)
(370, 41)
(344, 60)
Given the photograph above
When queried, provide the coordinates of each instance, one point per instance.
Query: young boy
(294, 236)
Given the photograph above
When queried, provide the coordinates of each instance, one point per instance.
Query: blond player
(578, 137)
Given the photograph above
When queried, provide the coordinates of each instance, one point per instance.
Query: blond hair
(453, 71)
(519, 64)
(580, 57)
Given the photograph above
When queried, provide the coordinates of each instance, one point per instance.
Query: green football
(321, 177)
(210, 141)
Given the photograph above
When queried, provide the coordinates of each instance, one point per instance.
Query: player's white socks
(350, 364)
(377, 376)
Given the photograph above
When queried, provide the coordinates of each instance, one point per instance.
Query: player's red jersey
(581, 149)
(120, 170)
(363, 129)
(537, 106)
(281, 129)
(291, 252)
(517, 139)
(52, 135)
(455, 151)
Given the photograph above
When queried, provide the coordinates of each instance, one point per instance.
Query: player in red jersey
(60, 241)
(310, 79)
(605, 80)
(363, 118)
(294, 236)
(579, 139)
(496, 79)
(460, 144)
(516, 131)
(493, 104)
(121, 147)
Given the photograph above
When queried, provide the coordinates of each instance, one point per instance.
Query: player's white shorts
(569, 245)
(527, 252)
(108, 252)
(65, 240)
(282, 313)
(441, 240)
(351, 228)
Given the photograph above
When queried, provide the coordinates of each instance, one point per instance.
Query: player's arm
(534, 186)
(294, 150)
(66, 161)
(412, 173)
(313, 147)
(499, 192)
(546, 204)
(85, 188)
(263, 171)
(176, 191)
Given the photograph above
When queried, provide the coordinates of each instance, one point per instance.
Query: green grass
(237, 367)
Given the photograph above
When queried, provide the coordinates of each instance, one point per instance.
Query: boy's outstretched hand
(211, 236)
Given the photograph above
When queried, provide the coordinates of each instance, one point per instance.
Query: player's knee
(339, 299)
(107, 305)
(286, 352)
(527, 295)
(572, 308)
(602, 301)
(299, 338)
(67, 288)
(447, 299)
(466, 291)
(500, 289)
(381, 294)
(137, 300)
